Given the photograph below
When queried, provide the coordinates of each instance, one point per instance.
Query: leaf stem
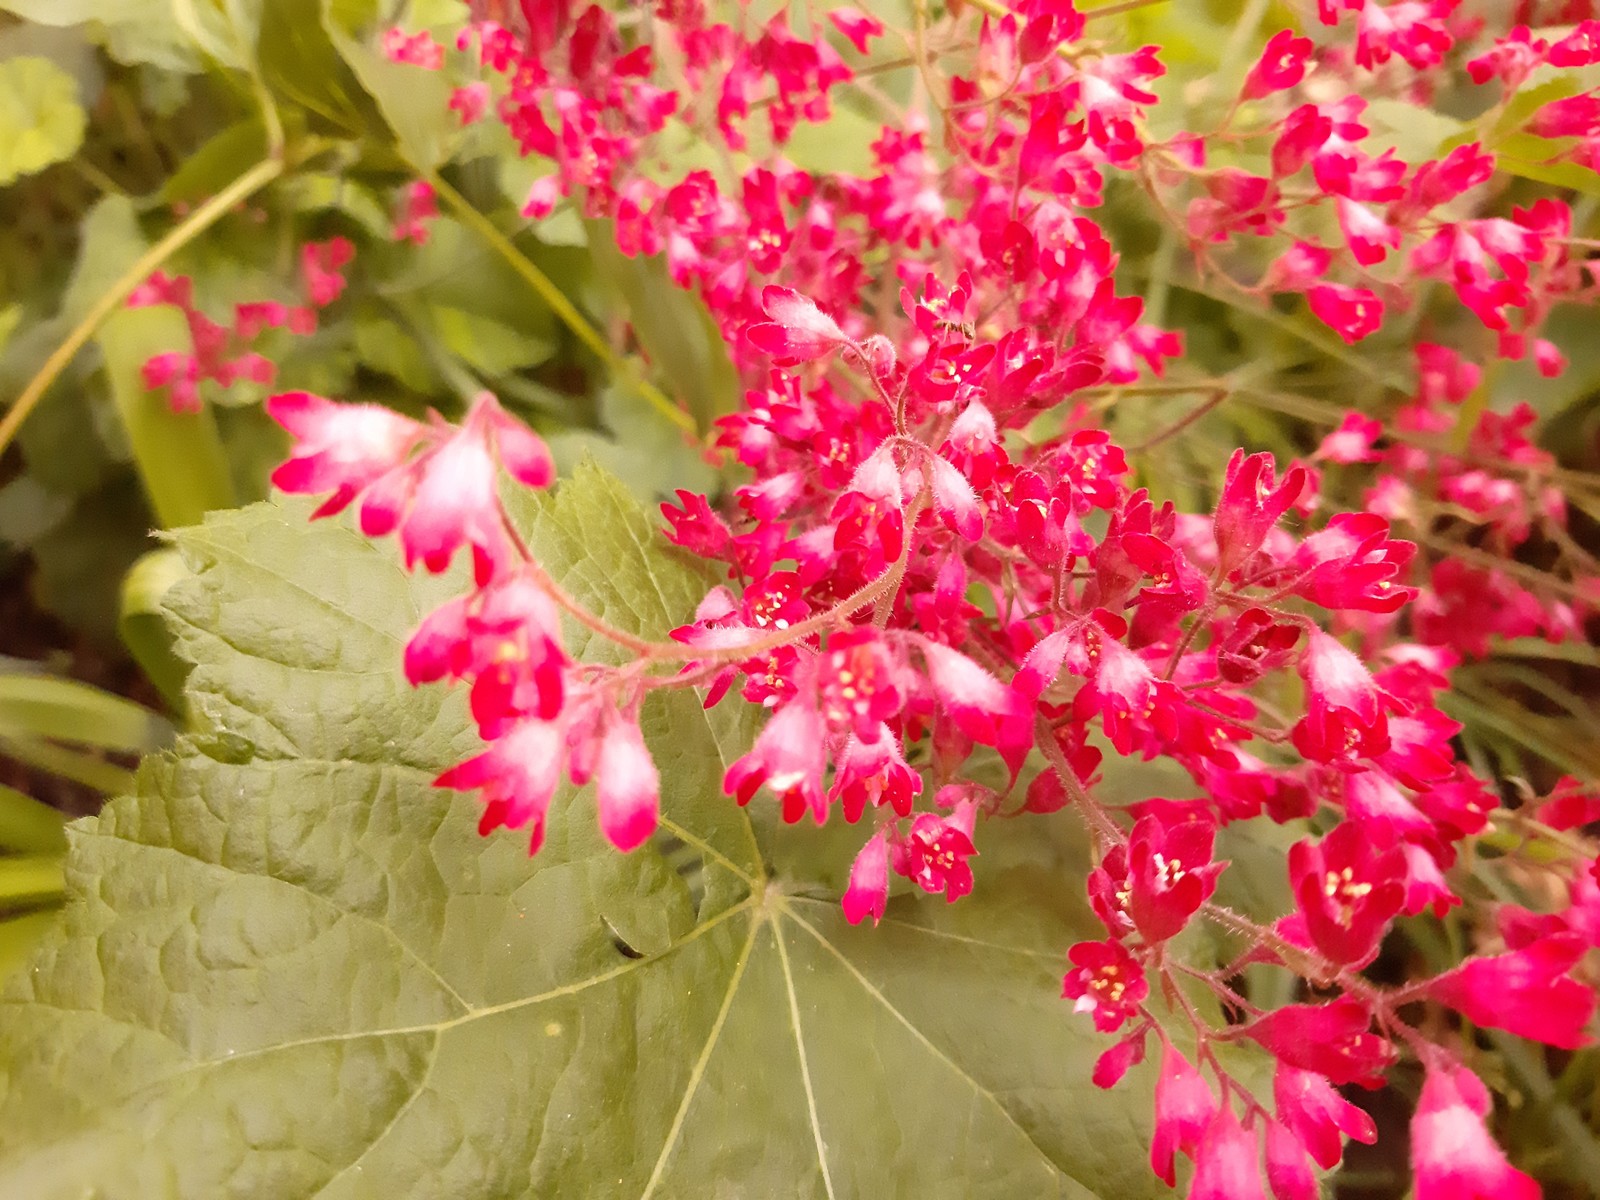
(252, 181)
(557, 300)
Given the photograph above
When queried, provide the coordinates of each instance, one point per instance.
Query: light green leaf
(674, 328)
(290, 968)
(486, 344)
(415, 102)
(41, 121)
(134, 31)
(65, 710)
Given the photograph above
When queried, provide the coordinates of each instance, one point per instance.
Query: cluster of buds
(942, 559)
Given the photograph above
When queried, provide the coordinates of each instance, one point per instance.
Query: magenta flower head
(1185, 1105)
(1170, 875)
(798, 332)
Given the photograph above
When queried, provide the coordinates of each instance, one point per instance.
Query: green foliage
(475, 1023)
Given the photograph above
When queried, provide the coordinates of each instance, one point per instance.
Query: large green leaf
(290, 968)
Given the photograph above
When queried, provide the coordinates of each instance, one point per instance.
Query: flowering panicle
(944, 585)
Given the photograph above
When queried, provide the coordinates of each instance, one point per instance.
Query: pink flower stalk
(1527, 992)
(1452, 1155)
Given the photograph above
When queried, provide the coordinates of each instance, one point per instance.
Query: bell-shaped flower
(869, 881)
(1527, 992)
(1185, 1105)
(789, 757)
(517, 775)
(1316, 1114)
(1452, 1155)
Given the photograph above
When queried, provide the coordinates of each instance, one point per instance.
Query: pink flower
(627, 787)
(1185, 1105)
(856, 26)
(1317, 1115)
(981, 706)
(869, 881)
(954, 500)
(1105, 981)
(855, 683)
(1348, 891)
(1328, 1039)
(1452, 1155)
(875, 772)
(320, 268)
(789, 758)
(1352, 313)
(1352, 441)
(934, 853)
(1288, 1169)
(798, 332)
(1282, 65)
(1250, 505)
(1170, 875)
(1344, 708)
(1527, 992)
(342, 448)
(1227, 1164)
(517, 775)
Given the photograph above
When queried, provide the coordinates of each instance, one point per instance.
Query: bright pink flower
(856, 26)
(981, 706)
(1452, 1155)
(1282, 65)
(1250, 505)
(954, 499)
(1353, 313)
(1288, 1169)
(1575, 116)
(1348, 891)
(1111, 1066)
(627, 786)
(470, 102)
(1256, 644)
(1227, 1164)
(789, 757)
(1527, 992)
(418, 49)
(1354, 564)
(798, 332)
(1185, 1105)
(855, 683)
(1170, 875)
(869, 881)
(874, 772)
(934, 854)
(446, 498)
(1317, 1115)
(1105, 981)
(517, 775)
(1344, 708)
(342, 448)
(1327, 1039)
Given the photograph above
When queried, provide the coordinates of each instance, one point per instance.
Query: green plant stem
(252, 181)
(563, 308)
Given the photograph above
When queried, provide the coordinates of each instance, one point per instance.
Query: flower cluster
(225, 354)
(942, 561)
